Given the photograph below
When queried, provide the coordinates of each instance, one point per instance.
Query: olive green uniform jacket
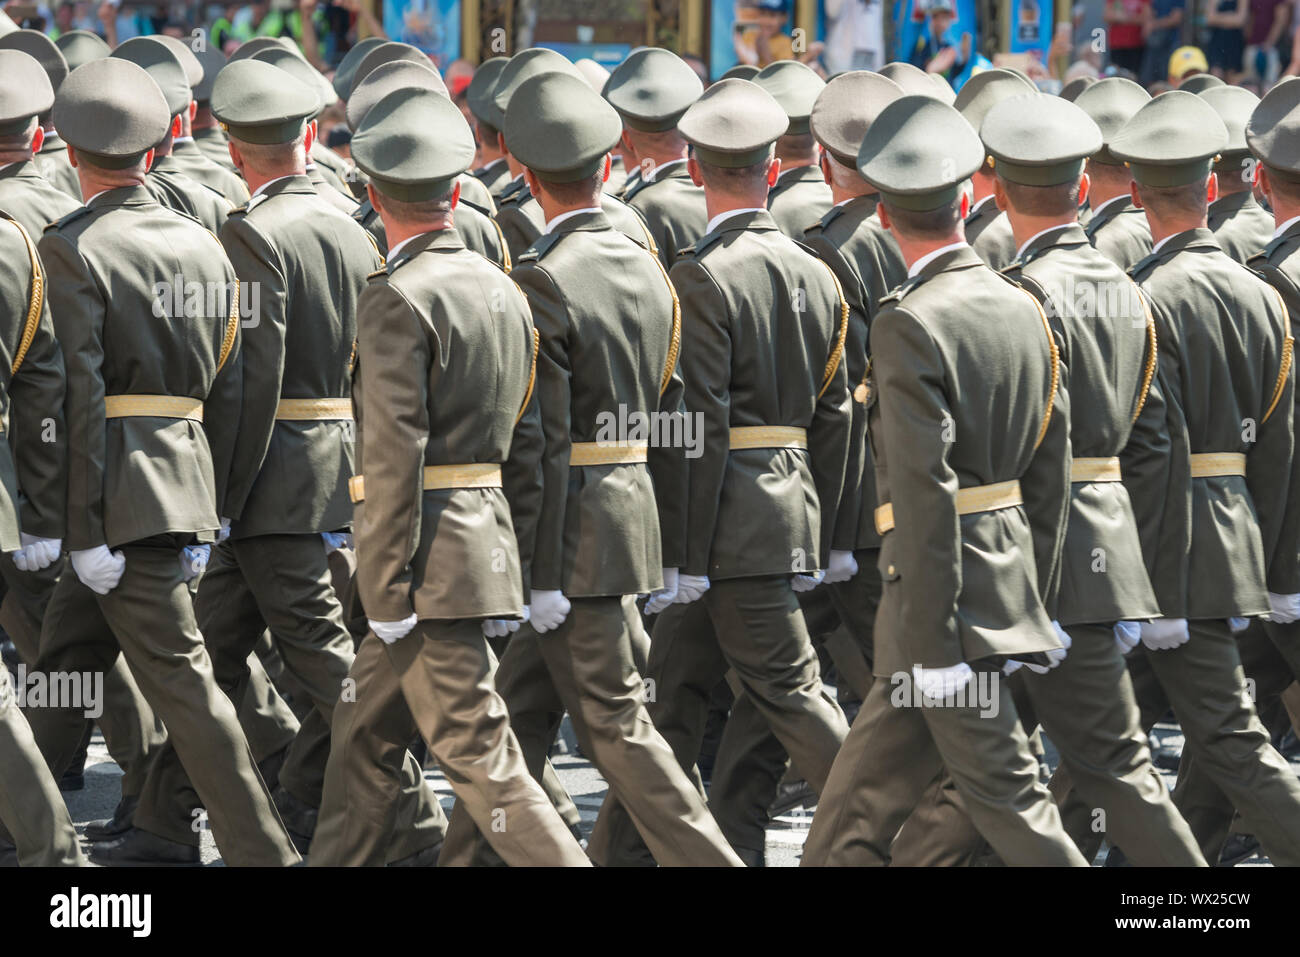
(1108, 353)
(479, 232)
(176, 190)
(962, 396)
(989, 233)
(444, 376)
(27, 196)
(673, 207)
(198, 165)
(799, 199)
(521, 219)
(1241, 226)
(33, 457)
(111, 268)
(310, 263)
(1120, 232)
(495, 177)
(610, 340)
(866, 259)
(1228, 387)
(763, 331)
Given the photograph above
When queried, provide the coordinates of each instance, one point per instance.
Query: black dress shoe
(115, 826)
(425, 857)
(137, 848)
(792, 794)
(299, 819)
(8, 855)
(1238, 848)
(72, 782)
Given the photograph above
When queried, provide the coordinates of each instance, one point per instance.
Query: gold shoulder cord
(675, 341)
(1152, 348)
(837, 353)
(35, 303)
(1288, 349)
(532, 372)
(232, 326)
(505, 250)
(1056, 367)
(650, 240)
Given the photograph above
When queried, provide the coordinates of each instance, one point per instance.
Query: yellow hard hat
(1187, 60)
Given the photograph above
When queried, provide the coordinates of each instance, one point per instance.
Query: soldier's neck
(1024, 228)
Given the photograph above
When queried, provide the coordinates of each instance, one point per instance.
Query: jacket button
(889, 570)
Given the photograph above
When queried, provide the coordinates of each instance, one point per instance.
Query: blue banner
(431, 25)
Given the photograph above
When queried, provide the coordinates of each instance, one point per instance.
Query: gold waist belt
(768, 437)
(977, 498)
(307, 410)
(159, 406)
(594, 453)
(1210, 464)
(476, 475)
(1095, 470)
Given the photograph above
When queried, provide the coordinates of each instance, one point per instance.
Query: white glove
(336, 540)
(500, 627)
(1284, 609)
(808, 582)
(1238, 625)
(99, 569)
(391, 631)
(224, 531)
(1056, 655)
(843, 566)
(691, 588)
(661, 598)
(194, 558)
(941, 683)
(1164, 633)
(37, 553)
(1011, 667)
(549, 609)
(1127, 635)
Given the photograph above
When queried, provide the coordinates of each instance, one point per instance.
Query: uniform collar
(1286, 227)
(800, 174)
(1233, 202)
(980, 206)
(137, 195)
(1060, 234)
(413, 245)
(25, 169)
(918, 267)
(593, 218)
(571, 214)
(294, 182)
(653, 175)
(751, 216)
(1200, 236)
(1115, 204)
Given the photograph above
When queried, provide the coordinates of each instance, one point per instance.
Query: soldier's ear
(38, 139)
(1212, 188)
(883, 215)
(1085, 187)
(194, 109)
(824, 162)
(455, 194)
(693, 168)
(309, 138)
(176, 126)
(501, 142)
(1134, 195)
(964, 207)
(1261, 180)
(72, 155)
(999, 195)
(773, 172)
(609, 165)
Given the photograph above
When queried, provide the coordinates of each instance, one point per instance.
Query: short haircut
(271, 156)
(925, 224)
(796, 146)
(1059, 200)
(843, 175)
(584, 190)
(89, 159)
(18, 142)
(421, 211)
(735, 179)
(1186, 200)
(665, 141)
(1285, 188)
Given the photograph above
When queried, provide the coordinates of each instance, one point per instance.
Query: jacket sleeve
(550, 316)
(706, 371)
(78, 311)
(670, 473)
(829, 438)
(925, 546)
(1269, 462)
(37, 432)
(225, 397)
(263, 338)
(1173, 543)
(394, 382)
(1045, 487)
(1145, 462)
(522, 477)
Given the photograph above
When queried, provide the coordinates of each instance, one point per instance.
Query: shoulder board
(831, 215)
(701, 246)
(541, 246)
(686, 251)
(377, 273)
(1274, 246)
(901, 290)
(74, 215)
(1014, 266)
(473, 205)
(4, 215)
(1027, 283)
(1144, 263)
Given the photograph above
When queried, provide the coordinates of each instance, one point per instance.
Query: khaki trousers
(31, 808)
(151, 620)
(894, 753)
(437, 680)
(588, 666)
(754, 626)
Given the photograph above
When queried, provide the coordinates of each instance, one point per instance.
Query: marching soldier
(1108, 353)
(476, 229)
(519, 214)
(801, 195)
(987, 229)
(1241, 226)
(196, 163)
(763, 333)
(127, 418)
(31, 519)
(651, 90)
(25, 194)
(609, 333)
(1117, 228)
(1222, 538)
(170, 185)
(52, 157)
(436, 324)
(971, 459)
(494, 171)
(81, 46)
